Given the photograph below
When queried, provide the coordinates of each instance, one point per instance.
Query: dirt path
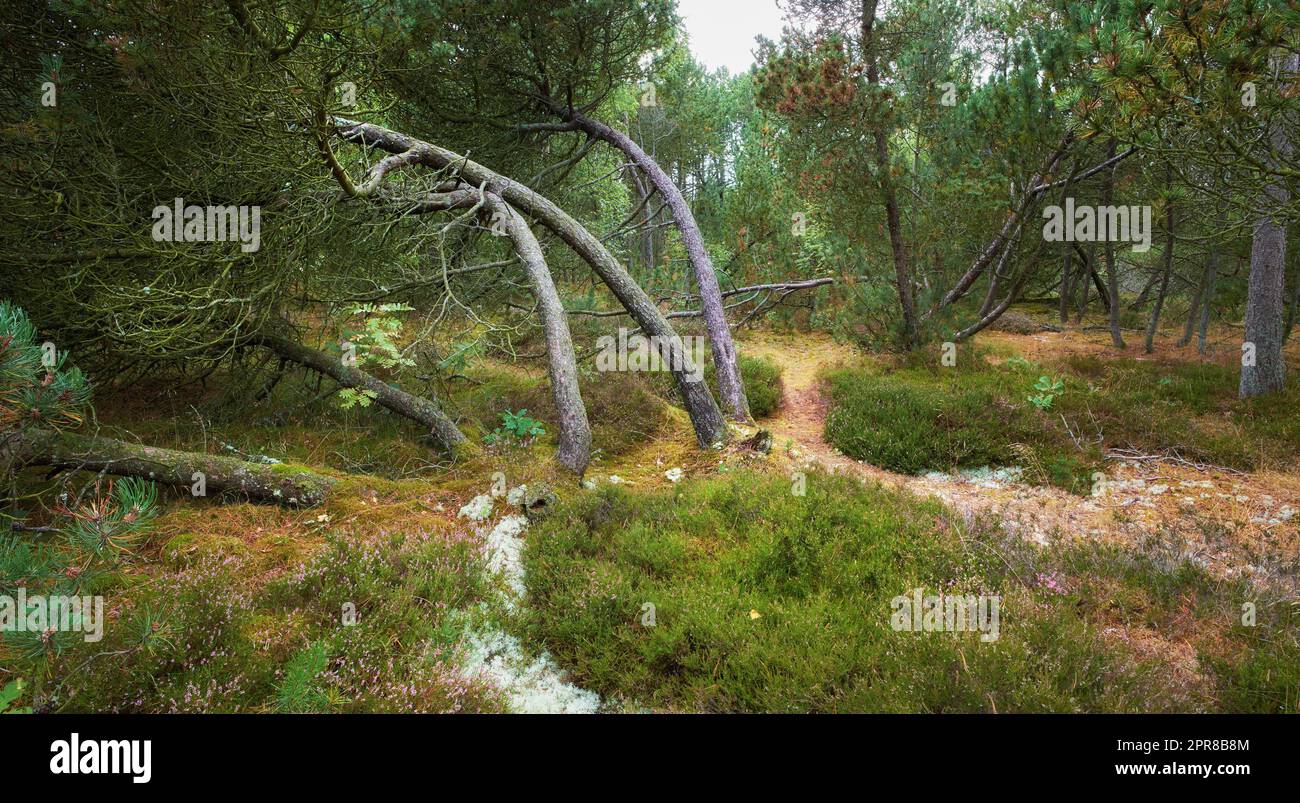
(1229, 523)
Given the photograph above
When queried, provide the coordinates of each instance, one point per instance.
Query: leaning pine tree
(42, 399)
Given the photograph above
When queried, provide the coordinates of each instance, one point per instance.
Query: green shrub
(768, 601)
(913, 420)
(762, 380)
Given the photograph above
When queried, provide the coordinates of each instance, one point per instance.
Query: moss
(188, 547)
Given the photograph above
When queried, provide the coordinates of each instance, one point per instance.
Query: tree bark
(1294, 305)
(575, 431)
(884, 165)
(1112, 270)
(441, 428)
(1267, 284)
(282, 484)
(1202, 288)
(730, 386)
(1169, 268)
(710, 428)
(1212, 272)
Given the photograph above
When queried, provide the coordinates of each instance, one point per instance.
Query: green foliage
(1048, 389)
(96, 536)
(230, 645)
(9, 696)
(371, 330)
(515, 428)
(768, 601)
(762, 380)
(917, 419)
(37, 386)
(300, 691)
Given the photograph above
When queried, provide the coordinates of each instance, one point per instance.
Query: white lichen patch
(505, 553)
(478, 508)
(533, 686)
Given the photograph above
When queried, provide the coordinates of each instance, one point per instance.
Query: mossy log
(283, 484)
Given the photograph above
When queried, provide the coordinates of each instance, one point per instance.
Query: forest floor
(1226, 520)
(279, 575)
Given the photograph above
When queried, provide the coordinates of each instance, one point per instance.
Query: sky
(722, 31)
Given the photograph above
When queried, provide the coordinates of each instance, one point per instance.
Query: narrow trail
(1228, 523)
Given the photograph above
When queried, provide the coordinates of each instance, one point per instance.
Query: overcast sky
(722, 31)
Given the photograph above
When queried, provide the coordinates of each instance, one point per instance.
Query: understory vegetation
(769, 601)
(981, 412)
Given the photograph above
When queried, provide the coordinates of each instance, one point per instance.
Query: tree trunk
(1212, 272)
(1267, 285)
(1067, 276)
(575, 432)
(730, 386)
(1086, 274)
(884, 169)
(423, 411)
(1169, 268)
(282, 484)
(696, 397)
(1294, 306)
(1193, 314)
(1112, 271)
(995, 279)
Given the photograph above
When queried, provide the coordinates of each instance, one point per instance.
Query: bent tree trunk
(575, 432)
(1264, 295)
(441, 428)
(282, 484)
(696, 397)
(730, 386)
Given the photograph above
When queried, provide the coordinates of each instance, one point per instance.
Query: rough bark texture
(1212, 271)
(1112, 270)
(1293, 306)
(282, 484)
(730, 386)
(1168, 272)
(710, 428)
(441, 428)
(575, 432)
(1067, 261)
(902, 270)
(1264, 296)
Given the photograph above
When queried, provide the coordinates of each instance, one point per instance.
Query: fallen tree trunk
(291, 486)
(441, 428)
(706, 418)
